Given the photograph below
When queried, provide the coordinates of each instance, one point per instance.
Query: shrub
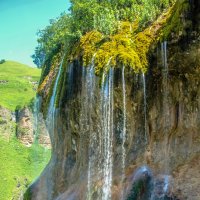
(2, 61)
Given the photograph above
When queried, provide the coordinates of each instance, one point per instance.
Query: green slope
(17, 86)
(19, 166)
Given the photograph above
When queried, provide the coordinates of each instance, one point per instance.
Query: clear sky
(19, 22)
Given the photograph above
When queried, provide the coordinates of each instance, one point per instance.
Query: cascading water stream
(107, 133)
(166, 116)
(124, 129)
(100, 151)
(52, 108)
(36, 126)
(40, 133)
(165, 85)
(36, 111)
(145, 106)
(89, 89)
(166, 184)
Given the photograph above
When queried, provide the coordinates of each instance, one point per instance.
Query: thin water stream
(166, 116)
(145, 106)
(107, 133)
(123, 130)
(52, 108)
(88, 125)
(36, 111)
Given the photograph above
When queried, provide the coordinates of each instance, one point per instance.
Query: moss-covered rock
(128, 45)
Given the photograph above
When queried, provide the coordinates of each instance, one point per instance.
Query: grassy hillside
(17, 84)
(19, 166)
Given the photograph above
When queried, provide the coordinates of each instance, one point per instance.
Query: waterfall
(166, 112)
(36, 131)
(36, 110)
(107, 134)
(87, 124)
(52, 108)
(165, 85)
(166, 184)
(100, 161)
(164, 55)
(123, 130)
(145, 106)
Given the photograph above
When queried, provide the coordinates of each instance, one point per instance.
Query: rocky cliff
(22, 124)
(131, 136)
(7, 122)
(30, 128)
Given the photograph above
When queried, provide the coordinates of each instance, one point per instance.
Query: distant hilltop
(18, 84)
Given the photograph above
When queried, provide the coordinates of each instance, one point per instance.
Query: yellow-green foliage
(88, 43)
(110, 50)
(127, 46)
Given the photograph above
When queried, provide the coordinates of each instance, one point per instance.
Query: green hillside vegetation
(17, 84)
(19, 167)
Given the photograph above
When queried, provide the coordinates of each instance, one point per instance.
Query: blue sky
(19, 22)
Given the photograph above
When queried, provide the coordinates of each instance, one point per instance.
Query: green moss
(108, 51)
(27, 195)
(176, 24)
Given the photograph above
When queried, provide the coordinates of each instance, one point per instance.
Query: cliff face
(7, 123)
(135, 137)
(30, 128)
(21, 124)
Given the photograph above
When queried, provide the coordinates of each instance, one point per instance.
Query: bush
(2, 61)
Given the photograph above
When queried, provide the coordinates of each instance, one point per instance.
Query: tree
(2, 61)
